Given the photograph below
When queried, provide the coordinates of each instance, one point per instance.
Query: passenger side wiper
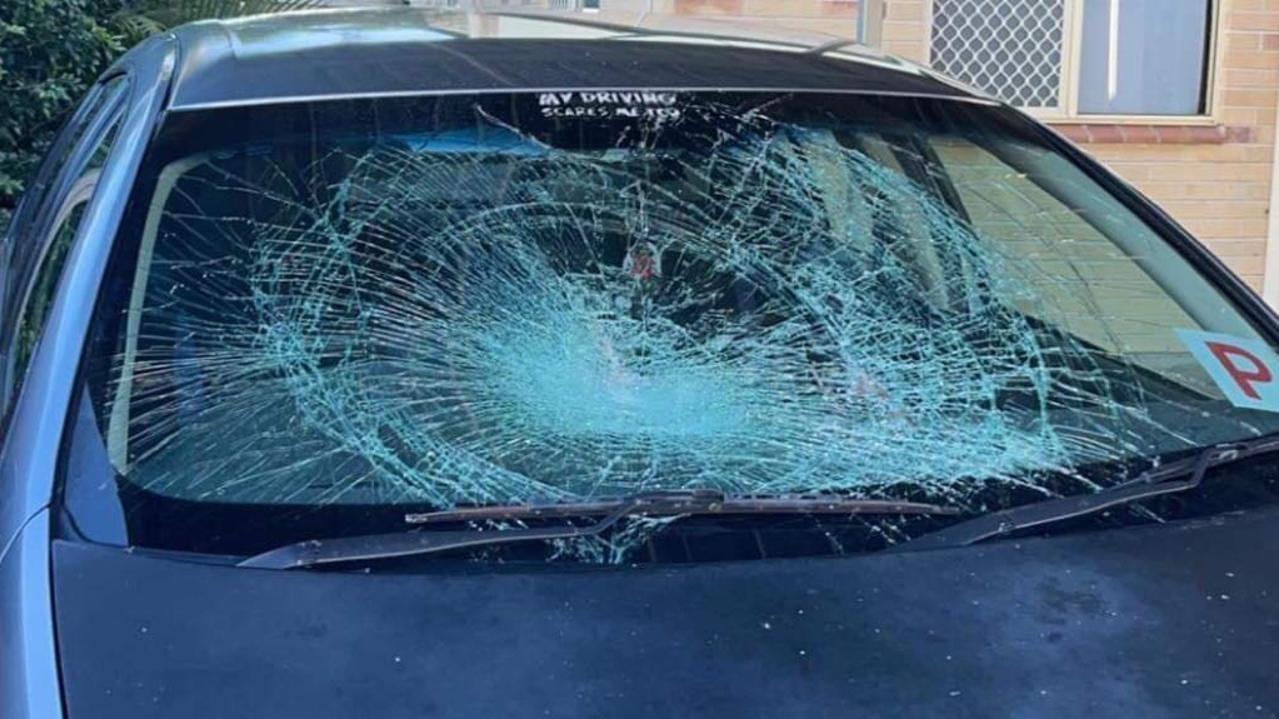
(676, 503)
(1171, 478)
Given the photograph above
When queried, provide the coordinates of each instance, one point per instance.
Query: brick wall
(835, 17)
(906, 28)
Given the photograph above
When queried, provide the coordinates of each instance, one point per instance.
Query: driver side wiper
(675, 503)
(1174, 477)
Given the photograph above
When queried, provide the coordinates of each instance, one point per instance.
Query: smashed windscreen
(563, 296)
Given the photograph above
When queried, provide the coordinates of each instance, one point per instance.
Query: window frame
(1072, 42)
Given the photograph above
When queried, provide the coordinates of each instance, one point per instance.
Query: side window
(38, 258)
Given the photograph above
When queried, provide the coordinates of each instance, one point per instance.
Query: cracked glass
(323, 315)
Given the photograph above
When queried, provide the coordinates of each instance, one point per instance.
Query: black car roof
(401, 51)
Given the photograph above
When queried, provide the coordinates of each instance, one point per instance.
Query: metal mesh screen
(1012, 49)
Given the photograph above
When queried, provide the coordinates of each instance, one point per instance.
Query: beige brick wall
(906, 28)
(837, 18)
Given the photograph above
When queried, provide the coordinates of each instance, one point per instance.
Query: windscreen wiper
(1174, 477)
(677, 503)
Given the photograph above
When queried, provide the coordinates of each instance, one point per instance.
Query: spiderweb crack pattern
(769, 311)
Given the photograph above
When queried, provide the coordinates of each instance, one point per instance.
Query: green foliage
(52, 50)
(141, 18)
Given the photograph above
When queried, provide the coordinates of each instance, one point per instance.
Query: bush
(50, 51)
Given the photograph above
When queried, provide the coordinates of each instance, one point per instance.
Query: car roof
(405, 51)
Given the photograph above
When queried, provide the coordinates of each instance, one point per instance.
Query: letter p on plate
(1243, 369)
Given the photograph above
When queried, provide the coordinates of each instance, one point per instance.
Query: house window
(1079, 57)
(1143, 57)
